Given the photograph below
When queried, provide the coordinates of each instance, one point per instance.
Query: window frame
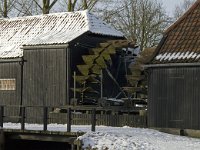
(7, 84)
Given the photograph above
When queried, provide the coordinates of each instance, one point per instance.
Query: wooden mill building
(174, 75)
(38, 55)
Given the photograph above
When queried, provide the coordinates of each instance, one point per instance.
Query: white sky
(170, 5)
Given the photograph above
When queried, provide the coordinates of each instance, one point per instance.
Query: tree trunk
(85, 6)
(45, 9)
(5, 10)
(69, 5)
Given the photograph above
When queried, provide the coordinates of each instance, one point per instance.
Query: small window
(7, 84)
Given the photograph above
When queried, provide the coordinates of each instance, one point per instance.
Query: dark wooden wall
(44, 81)
(174, 97)
(11, 97)
(44, 77)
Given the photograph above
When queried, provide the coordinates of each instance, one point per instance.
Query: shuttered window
(7, 84)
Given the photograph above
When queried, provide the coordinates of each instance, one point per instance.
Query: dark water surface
(35, 145)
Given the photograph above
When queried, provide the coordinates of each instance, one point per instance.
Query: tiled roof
(181, 41)
(59, 28)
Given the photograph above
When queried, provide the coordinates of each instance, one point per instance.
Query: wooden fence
(102, 119)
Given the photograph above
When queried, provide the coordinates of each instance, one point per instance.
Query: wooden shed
(174, 75)
(38, 55)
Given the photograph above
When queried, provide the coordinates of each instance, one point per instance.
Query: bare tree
(32, 7)
(143, 20)
(5, 7)
(35, 7)
(26, 8)
(181, 8)
(71, 5)
(46, 5)
(74, 5)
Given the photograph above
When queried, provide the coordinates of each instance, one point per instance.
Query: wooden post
(101, 84)
(74, 85)
(2, 140)
(23, 118)
(69, 120)
(93, 120)
(45, 118)
(1, 115)
(78, 144)
(68, 75)
(22, 79)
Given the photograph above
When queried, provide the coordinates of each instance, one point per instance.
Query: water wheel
(100, 58)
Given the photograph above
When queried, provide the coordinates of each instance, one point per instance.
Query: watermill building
(38, 55)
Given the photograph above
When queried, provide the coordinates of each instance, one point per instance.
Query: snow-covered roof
(181, 41)
(58, 28)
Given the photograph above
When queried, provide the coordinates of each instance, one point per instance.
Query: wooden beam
(61, 46)
(40, 137)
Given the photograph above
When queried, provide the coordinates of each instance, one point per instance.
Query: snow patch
(115, 138)
(177, 56)
(198, 56)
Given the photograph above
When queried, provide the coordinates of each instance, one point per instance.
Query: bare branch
(37, 4)
(52, 4)
(183, 7)
(143, 20)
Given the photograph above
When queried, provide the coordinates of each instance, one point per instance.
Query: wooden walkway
(53, 136)
(92, 118)
(69, 138)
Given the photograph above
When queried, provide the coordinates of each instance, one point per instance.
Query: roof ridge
(88, 19)
(41, 15)
(93, 19)
(182, 17)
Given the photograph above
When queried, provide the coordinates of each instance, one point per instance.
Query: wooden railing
(22, 117)
(70, 118)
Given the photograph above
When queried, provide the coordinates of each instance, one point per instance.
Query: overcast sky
(170, 5)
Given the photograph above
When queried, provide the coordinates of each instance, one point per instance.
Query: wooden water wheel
(100, 58)
(137, 79)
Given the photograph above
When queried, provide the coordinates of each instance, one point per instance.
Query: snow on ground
(137, 139)
(124, 138)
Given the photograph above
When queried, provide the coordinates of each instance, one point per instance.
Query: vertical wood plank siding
(173, 98)
(44, 79)
(11, 70)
